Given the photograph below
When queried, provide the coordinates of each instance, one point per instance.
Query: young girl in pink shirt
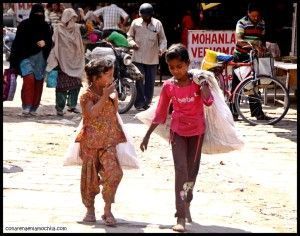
(187, 127)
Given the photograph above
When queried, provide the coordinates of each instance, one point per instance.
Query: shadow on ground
(125, 226)
(46, 115)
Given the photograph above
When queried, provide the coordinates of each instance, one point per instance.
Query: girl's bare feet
(90, 215)
(180, 226)
(108, 217)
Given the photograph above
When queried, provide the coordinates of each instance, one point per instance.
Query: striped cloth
(249, 32)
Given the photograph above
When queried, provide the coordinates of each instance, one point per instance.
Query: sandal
(109, 220)
(89, 218)
(180, 226)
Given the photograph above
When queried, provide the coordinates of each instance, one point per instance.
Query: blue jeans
(145, 88)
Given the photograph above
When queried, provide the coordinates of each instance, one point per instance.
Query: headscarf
(29, 32)
(68, 50)
(35, 18)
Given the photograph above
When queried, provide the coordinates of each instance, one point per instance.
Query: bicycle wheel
(265, 92)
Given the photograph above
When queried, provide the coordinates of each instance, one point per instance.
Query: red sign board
(199, 40)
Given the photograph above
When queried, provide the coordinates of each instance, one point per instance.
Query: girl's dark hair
(177, 51)
(98, 66)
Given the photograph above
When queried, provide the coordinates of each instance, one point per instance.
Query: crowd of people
(52, 39)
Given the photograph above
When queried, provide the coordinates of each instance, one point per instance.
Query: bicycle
(253, 87)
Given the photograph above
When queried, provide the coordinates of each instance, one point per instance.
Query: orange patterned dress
(98, 139)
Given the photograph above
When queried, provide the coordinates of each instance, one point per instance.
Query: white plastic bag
(125, 151)
(72, 156)
(163, 130)
(221, 135)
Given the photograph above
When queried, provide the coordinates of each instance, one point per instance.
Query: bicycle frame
(225, 77)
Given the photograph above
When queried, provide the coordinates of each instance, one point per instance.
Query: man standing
(111, 15)
(146, 35)
(250, 30)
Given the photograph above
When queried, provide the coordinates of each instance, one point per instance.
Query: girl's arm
(207, 97)
(145, 141)
(93, 110)
(160, 117)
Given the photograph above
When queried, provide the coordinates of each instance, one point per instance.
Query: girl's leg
(179, 150)
(194, 157)
(27, 93)
(111, 174)
(193, 160)
(90, 181)
(38, 90)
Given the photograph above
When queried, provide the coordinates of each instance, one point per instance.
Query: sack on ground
(125, 151)
(9, 85)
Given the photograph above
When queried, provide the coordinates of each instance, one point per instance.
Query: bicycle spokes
(261, 101)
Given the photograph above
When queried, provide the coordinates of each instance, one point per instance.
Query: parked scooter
(125, 72)
(9, 35)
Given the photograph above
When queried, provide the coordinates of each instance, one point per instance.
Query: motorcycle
(125, 72)
(9, 35)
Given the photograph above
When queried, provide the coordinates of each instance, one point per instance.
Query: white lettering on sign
(199, 40)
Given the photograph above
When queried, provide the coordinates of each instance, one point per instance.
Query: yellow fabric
(210, 59)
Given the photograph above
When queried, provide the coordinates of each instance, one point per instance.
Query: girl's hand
(109, 89)
(205, 89)
(144, 143)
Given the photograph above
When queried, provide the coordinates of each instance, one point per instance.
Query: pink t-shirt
(187, 118)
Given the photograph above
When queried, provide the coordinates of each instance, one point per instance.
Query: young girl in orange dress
(98, 138)
(187, 127)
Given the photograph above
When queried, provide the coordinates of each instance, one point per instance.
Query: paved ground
(252, 190)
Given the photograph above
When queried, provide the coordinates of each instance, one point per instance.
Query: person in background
(114, 18)
(187, 127)
(190, 21)
(54, 12)
(147, 37)
(29, 52)
(250, 30)
(68, 56)
(98, 138)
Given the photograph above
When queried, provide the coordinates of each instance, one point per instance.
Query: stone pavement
(252, 190)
